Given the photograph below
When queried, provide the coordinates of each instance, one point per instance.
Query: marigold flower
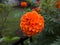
(58, 4)
(36, 9)
(37, 1)
(24, 4)
(32, 23)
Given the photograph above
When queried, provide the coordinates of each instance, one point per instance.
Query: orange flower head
(58, 4)
(37, 1)
(32, 23)
(24, 4)
(36, 9)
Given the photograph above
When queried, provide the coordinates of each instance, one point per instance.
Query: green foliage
(10, 19)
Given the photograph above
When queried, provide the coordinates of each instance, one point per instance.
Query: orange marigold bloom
(36, 9)
(37, 1)
(58, 4)
(24, 4)
(32, 23)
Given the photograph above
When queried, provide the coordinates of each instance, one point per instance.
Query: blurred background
(12, 10)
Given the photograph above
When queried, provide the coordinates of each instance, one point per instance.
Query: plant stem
(21, 40)
(30, 39)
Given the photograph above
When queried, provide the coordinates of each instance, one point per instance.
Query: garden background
(11, 12)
